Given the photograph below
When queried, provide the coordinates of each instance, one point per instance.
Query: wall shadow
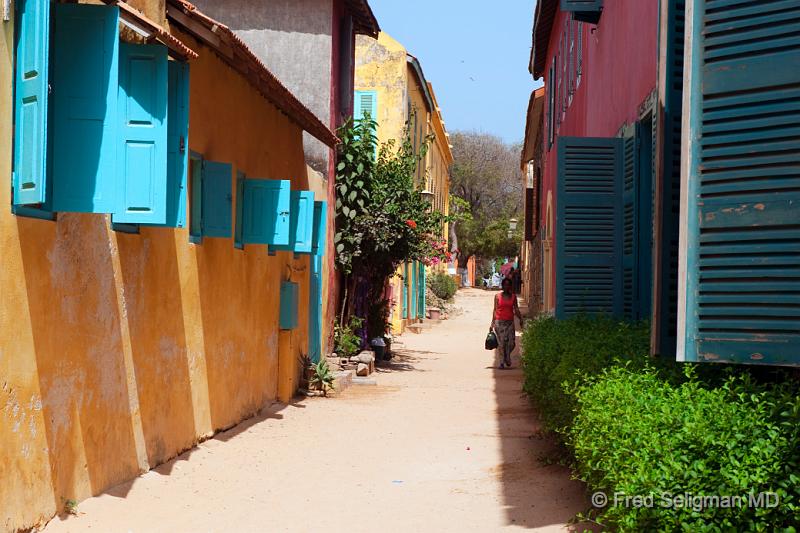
(535, 494)
(75, 323)
(152, 298)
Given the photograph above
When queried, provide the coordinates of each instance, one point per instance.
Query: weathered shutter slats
(588, 226)
(30, 102)
(265, 213)
(301, 223)
(142, 156)
(740, 249)
(629, 228)
(85, 81)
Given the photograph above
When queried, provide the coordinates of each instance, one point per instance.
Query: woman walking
(505, 308)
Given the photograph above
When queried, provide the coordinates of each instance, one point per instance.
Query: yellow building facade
(119, 351)
(390, 84)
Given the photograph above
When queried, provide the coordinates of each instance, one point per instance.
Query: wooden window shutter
(741, 293)
(630, 249)
(529, 216)
(666, 307)
(421, 311)
(301, 223)
(217, 201)
(142, 141)
(319, 238)
(265, 211)
(365, 103)
(588, 244)
(177, 143)
(85, 82)
(30, 102)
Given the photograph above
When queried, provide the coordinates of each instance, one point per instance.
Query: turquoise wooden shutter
(288, 309)
(422, 289)
(177, 143)
(315, 310)
(741, 293)
(412, 311)
(630, 249)
(319, 238)
(265, 217)
(142, 156)
(30, 102)
(406, 280)
(666, 306)
(366, 102)
(84, 96)
(301, 225)
(217, 199)
(588, 232)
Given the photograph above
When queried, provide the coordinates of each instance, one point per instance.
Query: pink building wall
(616, 79)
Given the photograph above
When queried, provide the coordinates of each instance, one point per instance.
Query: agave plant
(323, 377)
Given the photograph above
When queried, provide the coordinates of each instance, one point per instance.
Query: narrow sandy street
(442, 442)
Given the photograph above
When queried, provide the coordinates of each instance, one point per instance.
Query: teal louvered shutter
(85, 130)
(30, 102)
(315, 309)
(366, 102)
(666, 306)
(406, 280)
(266, 211)
(318, 239)
(177, 143)
(301, 223)
(422, 287)
(217, 199)
(142, 156)
(584, 10)
(588, 226)
(630, 249)
(413, 300)
(288, 305)
(741, 293)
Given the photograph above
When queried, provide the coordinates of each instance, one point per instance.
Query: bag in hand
(491, 340)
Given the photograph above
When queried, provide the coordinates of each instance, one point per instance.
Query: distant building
(391, 86)
(536, 258)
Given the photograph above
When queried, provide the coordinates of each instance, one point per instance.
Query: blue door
(315, 292)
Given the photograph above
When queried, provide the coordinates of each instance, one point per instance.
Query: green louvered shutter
(741, 293)
(421, 311)
(630, 247)
(588, 226)
(142, 156)
(85, 80)
(666, 308)
(30, 102)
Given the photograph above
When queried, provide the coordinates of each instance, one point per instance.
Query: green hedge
(639, 426)
(443, 286)
(557, 354)
(635, 433)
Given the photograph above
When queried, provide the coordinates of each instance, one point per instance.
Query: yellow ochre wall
(118, 351)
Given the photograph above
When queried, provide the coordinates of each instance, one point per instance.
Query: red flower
(411, 224)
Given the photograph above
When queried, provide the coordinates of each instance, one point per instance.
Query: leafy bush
(346, 340)
(443, 286)
(637, 433)
(558, 352)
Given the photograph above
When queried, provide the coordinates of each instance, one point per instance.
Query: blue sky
(474, 52)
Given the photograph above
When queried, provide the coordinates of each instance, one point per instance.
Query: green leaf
(339, 248)
(340, 166)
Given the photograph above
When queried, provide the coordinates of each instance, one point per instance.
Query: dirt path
(442, 443)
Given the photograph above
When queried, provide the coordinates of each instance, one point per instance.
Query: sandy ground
(443, 443)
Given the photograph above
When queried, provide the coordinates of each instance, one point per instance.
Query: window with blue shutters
(366, 102)
(584, 10)
(84, 98)
(740, 297)
(91, 119)
(301, 224)
(265, 211)
(217, 202)
(589, 226)
(30, 102)
(319, 238)
(142, 157)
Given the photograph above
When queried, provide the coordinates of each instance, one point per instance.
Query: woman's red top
(505, 307)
